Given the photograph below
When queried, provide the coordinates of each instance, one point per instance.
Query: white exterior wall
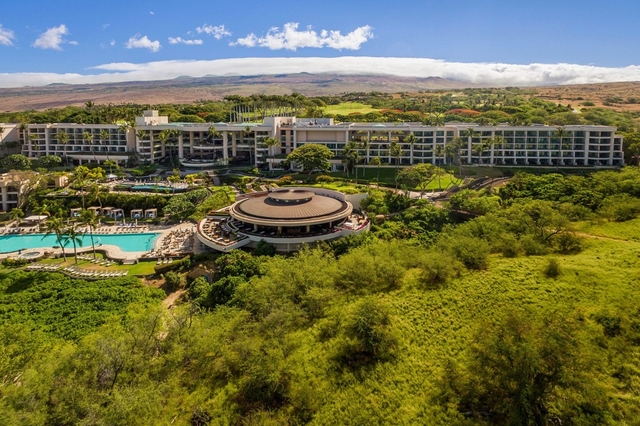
(522, 145)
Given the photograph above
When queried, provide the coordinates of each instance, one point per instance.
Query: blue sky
(44, 41)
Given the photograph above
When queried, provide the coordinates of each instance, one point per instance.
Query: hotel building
(197, 145)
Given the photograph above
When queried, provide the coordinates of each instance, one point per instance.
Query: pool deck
(111, 251)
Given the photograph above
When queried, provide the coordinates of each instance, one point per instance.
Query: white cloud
(217, 32)
(113, 43)
(6, 36)
(291, 39)
(106, 25)
(52, 38)
(151, 13)
(180, 40)
(491, 74)
(137, 42)
(73, 43)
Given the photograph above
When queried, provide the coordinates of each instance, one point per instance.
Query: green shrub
(173, 280)
(472, 252)
(532, 246)
(552, 269)
(176, 265)
(509, 245)
(13, 263)
(367, 335)
(568, 243)
(437, 268)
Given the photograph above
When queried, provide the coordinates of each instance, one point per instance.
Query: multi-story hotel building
(202, 145)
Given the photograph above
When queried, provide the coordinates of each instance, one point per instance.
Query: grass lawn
(629, 230)
(346, 108)
(387, 177)
(140, 268)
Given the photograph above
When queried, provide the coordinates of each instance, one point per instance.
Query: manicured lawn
(141, 268)
(346, 108)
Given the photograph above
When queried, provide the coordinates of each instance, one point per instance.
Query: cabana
(136, 214)
(118, 214)
(107, 211)
(75, 212)
(151, 213)
(95, 210)
(35, 219)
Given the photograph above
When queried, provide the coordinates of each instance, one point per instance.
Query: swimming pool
(127, 242)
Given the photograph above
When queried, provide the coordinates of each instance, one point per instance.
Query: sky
(495, 42)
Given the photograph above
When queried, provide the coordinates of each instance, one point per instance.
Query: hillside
(186, 89)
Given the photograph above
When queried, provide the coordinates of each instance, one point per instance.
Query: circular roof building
(285, 217)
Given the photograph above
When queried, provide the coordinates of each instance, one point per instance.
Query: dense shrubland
(427, 320)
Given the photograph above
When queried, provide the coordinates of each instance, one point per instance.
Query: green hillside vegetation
(512, 317)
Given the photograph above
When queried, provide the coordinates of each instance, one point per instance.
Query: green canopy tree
(16, 162)
(311, 157)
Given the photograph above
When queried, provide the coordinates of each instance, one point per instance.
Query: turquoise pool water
(126, 242)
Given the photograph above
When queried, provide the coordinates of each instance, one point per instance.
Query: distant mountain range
(620, 96)
(189, 89)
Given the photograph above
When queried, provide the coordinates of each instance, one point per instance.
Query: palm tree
(470, 134)
(63, 137)
(87, 138)
(55, 225)
(16, 214)
(439, 152)
(163, 137)
(376, 161)
(411, 140)
(364, 144)
(395, 150)
(104, 137)
(88, 219)
(562, 134)
(141, 135)
(251, 143)
(72, 234)
(271, 143)
(496, 141)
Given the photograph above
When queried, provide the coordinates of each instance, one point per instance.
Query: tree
(55, 225)
(48, 161)
(376, 161)
(470, 134)
(88, 219)
(271, 143)
(87, 138)
(519, 370)
(562, 134)
(104, 137)
(142, 135)
(395, 150)
(418, 176)
(311, 157)
(72, 235)
(163, 136)
(439, 151)
(16, 213)
(63, 137)
(411, 140)
(351, 157)
(16, 162)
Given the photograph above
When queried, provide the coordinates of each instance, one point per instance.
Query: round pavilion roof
(290, 207)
